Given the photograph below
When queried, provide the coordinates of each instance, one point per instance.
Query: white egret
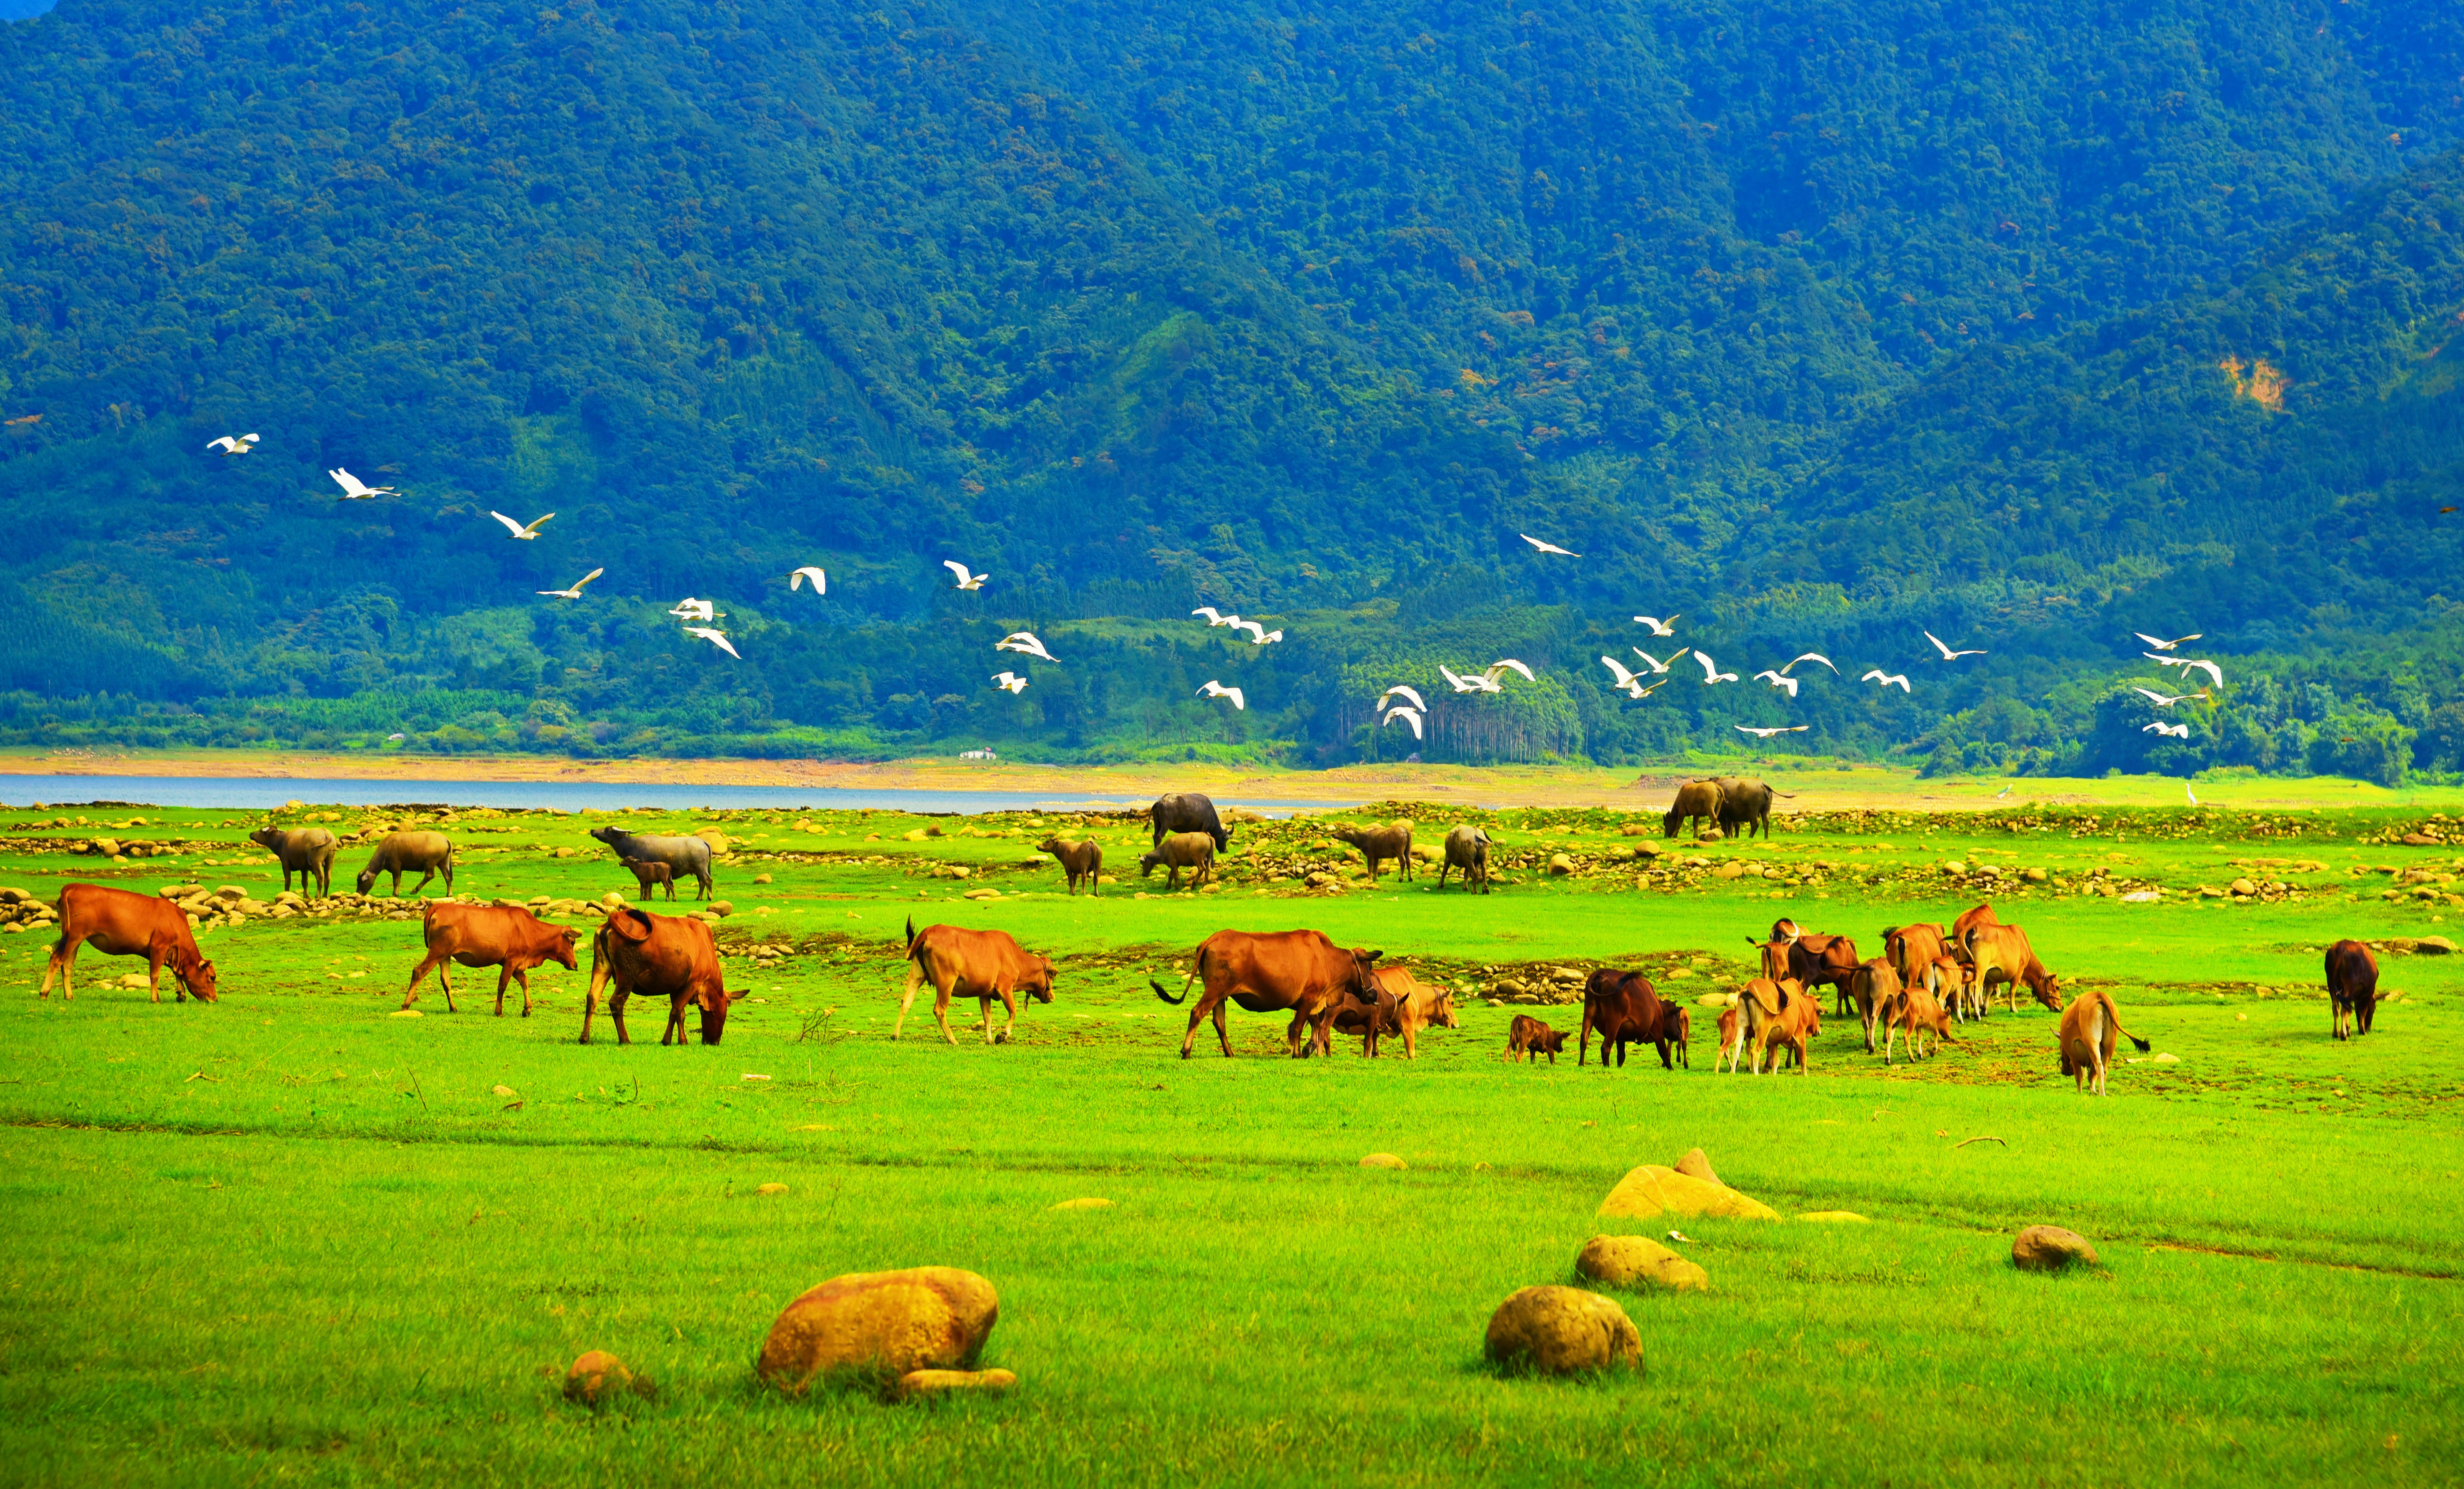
(231, 446)
(1657, 665)
(520, 533)
(691, 609)
(1712, 672)
(1025, 643)
(1764, 734)
(2215, 674)
(1408, 692)
(1547, 548)
(1266, 639)
(1509, 664)
(1948, 655)
(1658, 626)
(1779, 680)
(1216, 618)
(2187, 792)
(2166, 646)
(2168, 700)
(2179, 731)
(966, 581)
(1810, 656)
(355, 489)
(1010, 682)
(1409, 716)
(821, 581)
(1886, 680)
(1254, 629)
(716, 638)
(1214, 689)
(1624, 678)
(575, 592)
(1478, 682)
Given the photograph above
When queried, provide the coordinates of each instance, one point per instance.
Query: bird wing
(226, 444)
(2160, 645)
(1250, 626)
(2151, 728)
(2158, 698)
(1209, 688)
(587, 578)
(1654, 688)
(1776, 678)
(1902, 679)
(2215, 674)
(1710, 669)
(1460, 686)
(1658, 626)
(1212, 614)
(1871, 676)
(1547, 548)
(1616, 670)
(349, 482)
(1511, 664)
(2162, 661)
(1813, 656)
(511, 526)
(536, 523)
(1238, 703)
(1409, 693)
(1413, 720)
(1947, 652)
(1271, 635)
(821, 581)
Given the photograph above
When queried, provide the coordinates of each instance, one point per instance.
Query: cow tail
(2115, 1014)
(910, 938)
(1167, 997)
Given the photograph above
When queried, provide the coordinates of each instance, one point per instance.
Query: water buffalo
(427, 854)
(305, 850)
(1079, 861)
(119, 923)
(649, 875)
(2352, 986)
(1745, 803)
(1300, 971)
(1186, 812)
(1181, 850)
(1696, 802)
(1467, 849)
(1393, 840)
(681, 854)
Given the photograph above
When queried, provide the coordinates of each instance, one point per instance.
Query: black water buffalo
(1187, 812)
(681, 854)
(2352, 986)
(1745, 803)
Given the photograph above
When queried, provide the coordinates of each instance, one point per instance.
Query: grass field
(292, 1237)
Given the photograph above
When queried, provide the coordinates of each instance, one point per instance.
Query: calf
(648, 875)
(506, 937)
(428, 854)
(2088, 1026)
(2352, 986)
(121, 924)
(1914, 1012)
(307, 851)
(1467, 849)
(1626, 1009)
(1949, 974)
(1393, 840)
(2002, 953)
(1081, 860)
(1406, 1006)
(681, 854)
(1177, 851)
(1873, 985)
(659, 956)
(1676, 1031)
(1777, 1015)
(1527, 1036)
(982, 965)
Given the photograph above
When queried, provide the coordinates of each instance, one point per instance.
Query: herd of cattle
(1928, 979)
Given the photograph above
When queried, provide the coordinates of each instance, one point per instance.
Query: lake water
(257, 793)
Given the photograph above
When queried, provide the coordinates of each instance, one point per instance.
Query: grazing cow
(1915, 1011)
(1626, 1009)
(1808, 959)
(658, 956)
(1527, 1036)
(1676, 1031)
(1696, 802)
(1912, 948)
(2088, 1026)
(1299, 971)
(982, 965)
(2001, 953)
(428, 854)
(120, 922)
(681, 854)
(1187, 812)
(1779, 1014)
(1405, 1005)
(648, 875)
(1733, 1040)
(305, 850)
(1467, 849)
(1872, 985)
(2352, 986)
(506, 937)
(1745, 803)
(1394, 841)
(1079, 861)
(1181, 850)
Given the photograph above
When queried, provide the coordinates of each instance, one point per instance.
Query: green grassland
(291, 1236)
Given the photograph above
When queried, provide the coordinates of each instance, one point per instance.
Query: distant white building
(978, 754)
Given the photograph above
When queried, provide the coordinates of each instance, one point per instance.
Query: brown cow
(2088, 1026)
(648, 875)
(1626, 1009)
(1080, 860)
(1393, 840)
(1873, 985)
(1779, 1014)
(659, 956)
(1970, 918)
(506, 937)
(119, 923)
(1527, 1036)
(2002, 953)
(1298, 970)
(1696, 802)
(982, 965)
(1676, 1029)
(2352, 986)
(1807, 958)
(1732, 1040)
(1406, 1006)
(1951, 982)
(1912, 948)
(1915, 1011)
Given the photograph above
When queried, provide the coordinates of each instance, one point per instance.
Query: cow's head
(1774, 954)
(715, 1005)
(1147, 862)
(367, 879)
(2048, 990)
(1785, 930)
(609, 835)
(1036, 983)
(269, 838)
(560, 949)
(1668, 823)
(1364, 984)
(194, 973)
(1442, 1014)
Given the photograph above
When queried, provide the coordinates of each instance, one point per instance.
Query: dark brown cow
(506, 937)
(1807, 958)
(982, 965)
(119, 923)
(1300, 971)
(2352, 986)
(1527, 1036)
(649, 875)
(658, 956)
(1405, 1005)
(2001, 953)
(1696, 802)
(1626, 1009)
(1873, 986)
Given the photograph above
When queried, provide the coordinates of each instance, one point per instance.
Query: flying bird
(231, 446)
(1658, 626)
(2215, 674)
(2166, 646)
(716, 638)
(2443, 511)
(1547, 548)
(1811, 656)
(1259, 636)
(575, 592)
(1886, 680)
(1406, 691)
(1409, 716)
(2179, 731)
(1216, 618)
(1632, 684)
(519, 532)
(1214, 689)
(821, 581)
(1654, 688)
(1764, 734)
(2168, 700)
(1266, 639)
(691, 609)
(1948, 655)
(355, 489)
(1777, 680)
(966, 581)
(1023, 642)
(1478, 682)
(1712, 672)
(1010, 682)
(1657, 665)
(1508, 663)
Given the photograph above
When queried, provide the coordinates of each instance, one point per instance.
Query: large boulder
(595, 1377)
(1651, 1192)
(1559, 1330)
(2049, 1248)
(881, 1323)
(1640, 1261)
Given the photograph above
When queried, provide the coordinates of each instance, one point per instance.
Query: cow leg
(431, 963)
(157, 951)
(1009, 1002)
(914, 979)
(504, 977)
(941, 1008)
(64, 961)
(616, 1011)
(1222, 1034)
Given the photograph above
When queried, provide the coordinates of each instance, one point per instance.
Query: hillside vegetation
(2032, 324)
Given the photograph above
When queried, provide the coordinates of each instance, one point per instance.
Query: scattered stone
(1083, 1203)
(2049, 1248)
(405, 1014)
(772, 1188)
(2435, 946)
(1629, 1260)
(2243, 887)
(912, 836)
(1651, 1192)
(923, 1317)
(1559, 1330)
(762, 879)
(504, 1090)
(2033, 875)
(1954, 866)
(1697, 1164)
(595, 1377)
(1835, 1217)
(1729, 871)
(986, 894)
(1561, 864)
(933, 1382)
(1381, 1161)
(2169, 1060)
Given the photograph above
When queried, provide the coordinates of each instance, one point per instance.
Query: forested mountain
(2031, 323)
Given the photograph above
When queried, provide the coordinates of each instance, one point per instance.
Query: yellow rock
(773, 1187)
(1651, 1192)
(927, 1383)
(1083, 1203)
(1381, 1161)
(924, 1318)
(1629, 1260)
(1716, 1000)
(1562, 1329)
(1835, 1217)
(1697, 1164)
(596, 1375)
(405, 1014)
